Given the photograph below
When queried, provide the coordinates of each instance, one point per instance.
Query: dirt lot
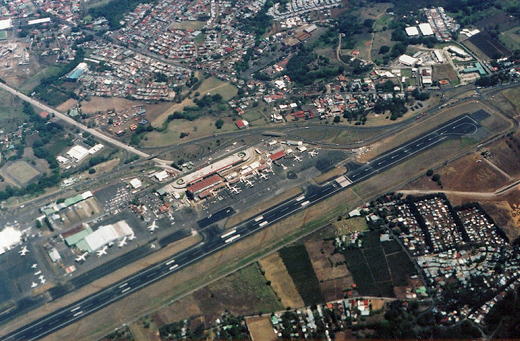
(513, 96)
(346, 226)
(444, 71)
(472, 173)
(282, 283)
(505, 154)
(261, 328)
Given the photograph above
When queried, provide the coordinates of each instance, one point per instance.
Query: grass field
(444, 71)
(346, 226)
(11, 114)
(21, 172)
(513, 96)
(330, 175)
(511, 38)
(299, 267)
(214, 86)
(188, 25)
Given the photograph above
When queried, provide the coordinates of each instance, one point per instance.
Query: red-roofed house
(277, 155)
(242, 124)
(44, 115)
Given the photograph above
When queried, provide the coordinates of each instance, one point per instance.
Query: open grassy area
(240, 217)
(21, 172)
(213, 85)
(28, 85)
(511, 38)
(188, 25)
(513, 96)
(11, 114)
(346, 226)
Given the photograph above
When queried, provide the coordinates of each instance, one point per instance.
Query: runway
(216, 240)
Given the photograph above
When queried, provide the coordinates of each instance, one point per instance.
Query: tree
(337, 119)
(436, 177)
(183, 135)
(38, 224)
(91, 170)
(219, 123)
(429, 172)
(384, 49)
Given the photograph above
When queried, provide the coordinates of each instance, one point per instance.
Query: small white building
(426, 29)
(78, 153)
(412, 31)
(408, 60)
(9, 237)
(136, 183)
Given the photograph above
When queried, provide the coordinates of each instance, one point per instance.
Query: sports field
(21, 172)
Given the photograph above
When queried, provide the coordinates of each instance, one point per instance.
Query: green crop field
(299, 267)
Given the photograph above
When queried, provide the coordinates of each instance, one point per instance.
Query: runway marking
(284, 209)
(263, 223)
(77, 314)
(73, 310)
(419, 144)
(393, 157)
(366, 170)
(257, 219)
(431, 138)
(380, 163)
(170, 262)
(125, 290)
(300, 198)
(173, 267)
(123, 285)
(305, 203)
(229, 233)
(151, 275)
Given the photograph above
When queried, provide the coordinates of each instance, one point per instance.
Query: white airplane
(234, 190)
(102, 252)
(34, 266)
(249, 183)
(153, 226)
(34, 285)
(263, 176)
(23, 251)
(43, 280)
(82, 257)
(299, 159)
(41, 277)
(122, 243)
(313, 153)
(132, 237)
(152, 246)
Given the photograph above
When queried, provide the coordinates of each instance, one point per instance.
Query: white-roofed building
(136, 183)
(9, 237)
(78, 153)
(408, 60)
(161, 176)
(426, 29)
(107, 234)
(6, 24)
(412, 31)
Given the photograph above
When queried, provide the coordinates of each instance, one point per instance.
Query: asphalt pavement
(216, 241)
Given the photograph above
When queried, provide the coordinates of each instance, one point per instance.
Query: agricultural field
(11, 114)
(261, 328)
(282, 283)
(299, 266)
(377, 267)
(330, 269)
(484, 43)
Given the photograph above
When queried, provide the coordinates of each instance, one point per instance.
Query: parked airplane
(23, 251)
(153, 226)
(103, 251)
(263, 176)
(313, 153)
(34, 266)
(41, 277)
(299, 159)
(82, 257)
(234, 189)
(122, 243)
(132, 237)
(43, 280)
(34, 285)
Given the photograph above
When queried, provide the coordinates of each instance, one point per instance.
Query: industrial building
(9, 237)
(89, 241)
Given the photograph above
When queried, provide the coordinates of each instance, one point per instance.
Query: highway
(216, 240)
(73, 122)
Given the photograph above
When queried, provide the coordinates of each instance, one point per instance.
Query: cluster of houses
(17, 8)
(324, 320)
(66, 10)
(129, 74)
(299, 7)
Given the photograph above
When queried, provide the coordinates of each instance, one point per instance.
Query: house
(242, 124)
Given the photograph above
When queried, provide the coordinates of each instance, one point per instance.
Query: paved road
(216, 240)
(73, 122)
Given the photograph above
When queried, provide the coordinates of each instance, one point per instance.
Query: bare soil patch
(470, 173)
(282, 283)
(444, 71)
(261, 328)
